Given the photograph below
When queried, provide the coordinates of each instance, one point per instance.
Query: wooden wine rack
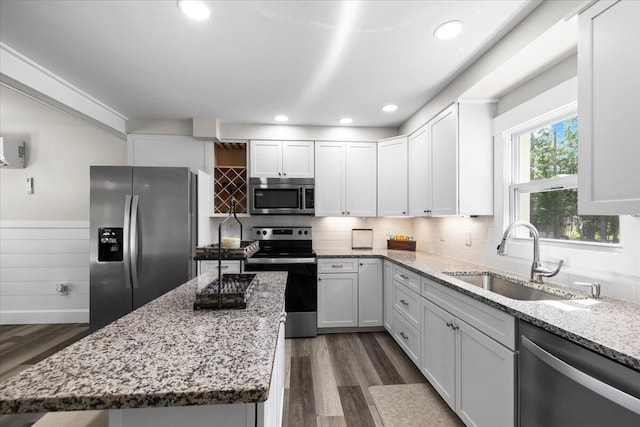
(230, 177)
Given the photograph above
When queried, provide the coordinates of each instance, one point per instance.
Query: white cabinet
(350, 292)
(472, 372)
(609, 101)
(370, 311)
(451, 163)
(360, 179)
(392, 177)
(444, 165)
(337, 300)
(345, 179)
(228, 266)
(420, 172)
(388, 295)
(281, 159)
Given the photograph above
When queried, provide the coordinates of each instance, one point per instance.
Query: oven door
(301, 298)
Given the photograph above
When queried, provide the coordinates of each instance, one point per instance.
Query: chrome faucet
(537, 270)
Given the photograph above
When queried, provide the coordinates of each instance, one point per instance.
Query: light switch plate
(30, 185)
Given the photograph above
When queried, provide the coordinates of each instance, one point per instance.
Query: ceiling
(314, 61)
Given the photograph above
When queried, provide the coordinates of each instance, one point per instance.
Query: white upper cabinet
(451, 163)
(392, 177)
(609, 102)
(361, 177)
(420, 172)
(329, 194)
(345, 179)
(281, 159)
(444, 163)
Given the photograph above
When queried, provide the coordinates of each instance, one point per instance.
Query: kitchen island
(166, 364)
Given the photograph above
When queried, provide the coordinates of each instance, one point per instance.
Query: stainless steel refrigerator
(143, 224)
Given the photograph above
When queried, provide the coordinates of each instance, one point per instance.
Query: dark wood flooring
(22, 346)
(327, 377)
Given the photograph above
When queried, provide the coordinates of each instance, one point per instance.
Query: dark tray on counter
(236, 289)
(246, 249)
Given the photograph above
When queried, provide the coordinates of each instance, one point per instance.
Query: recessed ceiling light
(389, 108)
(194, 9)
(281, 118)
(346, 120)
(448, 30)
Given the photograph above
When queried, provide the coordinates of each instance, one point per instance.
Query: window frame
(559, 182)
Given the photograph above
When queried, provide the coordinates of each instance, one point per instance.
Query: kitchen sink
(505, 287)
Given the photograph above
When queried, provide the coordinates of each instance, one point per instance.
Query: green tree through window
(546, 194)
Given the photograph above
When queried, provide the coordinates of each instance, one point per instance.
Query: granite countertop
(163, 354)
(608, 326)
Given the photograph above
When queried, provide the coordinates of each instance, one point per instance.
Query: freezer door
(162, 245)
(110, 288)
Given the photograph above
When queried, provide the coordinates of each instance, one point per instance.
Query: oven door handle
(280, 261)
(595, 385)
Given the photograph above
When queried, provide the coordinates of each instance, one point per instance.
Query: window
(544, 183)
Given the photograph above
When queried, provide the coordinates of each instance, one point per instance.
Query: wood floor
(22, 346)
(327, 377)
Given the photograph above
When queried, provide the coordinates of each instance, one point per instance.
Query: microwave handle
(302, 198)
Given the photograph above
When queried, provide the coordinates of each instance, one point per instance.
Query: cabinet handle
(449, 324)
(455, 327)
(404, 302)
(224, 266)
(279, 174)
(337, 265)
(285, 174)
(404, 277)
(342, 213)
(319, 279)
(361, 264)
(404, 213)
(348, 213)
(404, 336)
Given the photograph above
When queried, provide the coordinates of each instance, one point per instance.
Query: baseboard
(350, 329)
(30, 317)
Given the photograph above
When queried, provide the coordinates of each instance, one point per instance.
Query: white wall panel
(34, 257)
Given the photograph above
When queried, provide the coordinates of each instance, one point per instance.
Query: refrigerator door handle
(126, 250)
(133, 241)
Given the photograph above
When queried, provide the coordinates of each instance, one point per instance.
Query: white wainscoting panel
(34, 257)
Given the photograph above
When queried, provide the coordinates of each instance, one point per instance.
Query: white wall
(60, 150)
(44, 237)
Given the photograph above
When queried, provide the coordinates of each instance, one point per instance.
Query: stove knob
(258, 232)
(306, 232)
(264, 232)
(299, 231)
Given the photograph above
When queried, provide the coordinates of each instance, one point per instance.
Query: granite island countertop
(607, 326)
(162, 354)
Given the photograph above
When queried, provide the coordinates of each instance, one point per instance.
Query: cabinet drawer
(338, 265)
(495, 323)
(407, 278)
(407, 303)
(407, 337)
(227, 266)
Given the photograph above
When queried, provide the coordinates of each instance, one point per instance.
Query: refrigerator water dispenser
(110, 244)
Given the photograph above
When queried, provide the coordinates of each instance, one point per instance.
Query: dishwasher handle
(595, 385)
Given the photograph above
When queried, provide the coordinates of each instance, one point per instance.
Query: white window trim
(554, 103)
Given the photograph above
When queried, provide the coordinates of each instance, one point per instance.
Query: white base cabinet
(388, 295)
(472, 372)
(350, 293)
(228, 266)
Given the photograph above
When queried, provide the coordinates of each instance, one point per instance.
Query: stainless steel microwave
(281, 196)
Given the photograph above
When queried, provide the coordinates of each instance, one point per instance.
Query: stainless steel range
(290, 249)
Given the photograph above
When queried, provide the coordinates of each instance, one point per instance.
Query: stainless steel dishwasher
(564, 384)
